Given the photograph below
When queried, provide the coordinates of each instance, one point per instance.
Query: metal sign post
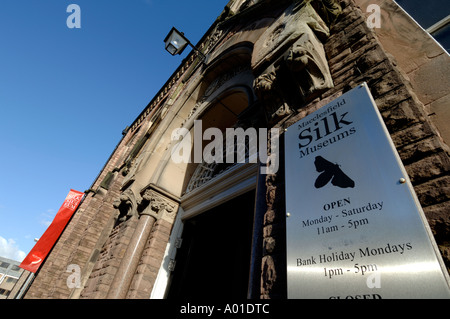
(355, 228)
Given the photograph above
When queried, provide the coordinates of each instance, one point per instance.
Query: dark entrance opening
(214, 259)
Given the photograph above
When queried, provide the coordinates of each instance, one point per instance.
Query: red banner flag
(39, 252)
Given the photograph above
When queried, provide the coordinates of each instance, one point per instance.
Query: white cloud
(10, 250)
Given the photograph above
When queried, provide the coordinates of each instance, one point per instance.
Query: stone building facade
(150, 227)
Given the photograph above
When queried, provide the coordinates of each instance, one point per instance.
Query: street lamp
(176, 42)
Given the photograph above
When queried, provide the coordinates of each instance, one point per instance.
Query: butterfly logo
(333, 172)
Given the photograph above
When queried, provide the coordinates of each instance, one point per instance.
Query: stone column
(130, 260)
(154, 205)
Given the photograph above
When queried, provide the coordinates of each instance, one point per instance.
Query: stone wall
(425, 63)
(108, 261)
(108, 271)
(354, 56)
(150, 262)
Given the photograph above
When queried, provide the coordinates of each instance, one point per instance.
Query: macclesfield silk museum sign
(355, 228)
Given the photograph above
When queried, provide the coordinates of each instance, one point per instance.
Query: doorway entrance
(213, 261)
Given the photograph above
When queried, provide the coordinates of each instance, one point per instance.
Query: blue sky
(67, 94)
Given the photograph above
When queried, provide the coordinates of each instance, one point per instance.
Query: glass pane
(443, 37)
(4, 265)
(426, 13)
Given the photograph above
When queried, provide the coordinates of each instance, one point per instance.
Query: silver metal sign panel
(355, 228)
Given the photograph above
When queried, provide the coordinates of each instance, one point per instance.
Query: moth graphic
(331, 172)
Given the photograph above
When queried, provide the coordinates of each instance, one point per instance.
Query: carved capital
(158, 204)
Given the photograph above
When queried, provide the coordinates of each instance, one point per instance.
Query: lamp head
(175, 42)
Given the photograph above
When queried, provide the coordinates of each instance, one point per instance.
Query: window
(442, 35)
(15, 268)
(433, 16)
(4, 265)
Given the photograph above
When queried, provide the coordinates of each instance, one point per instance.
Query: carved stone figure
(268, 90)
(293, 42)
(307, 62)
(127, 205)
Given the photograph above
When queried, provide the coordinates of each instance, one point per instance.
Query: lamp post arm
(197, 50)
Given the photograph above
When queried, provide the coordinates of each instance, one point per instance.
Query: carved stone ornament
(307, 62)
(290, 54)
(289, 27)
(158, 205)
(127, 205)
(271, 93)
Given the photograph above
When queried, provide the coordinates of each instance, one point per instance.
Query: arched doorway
(213, 261)
(211, 242)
